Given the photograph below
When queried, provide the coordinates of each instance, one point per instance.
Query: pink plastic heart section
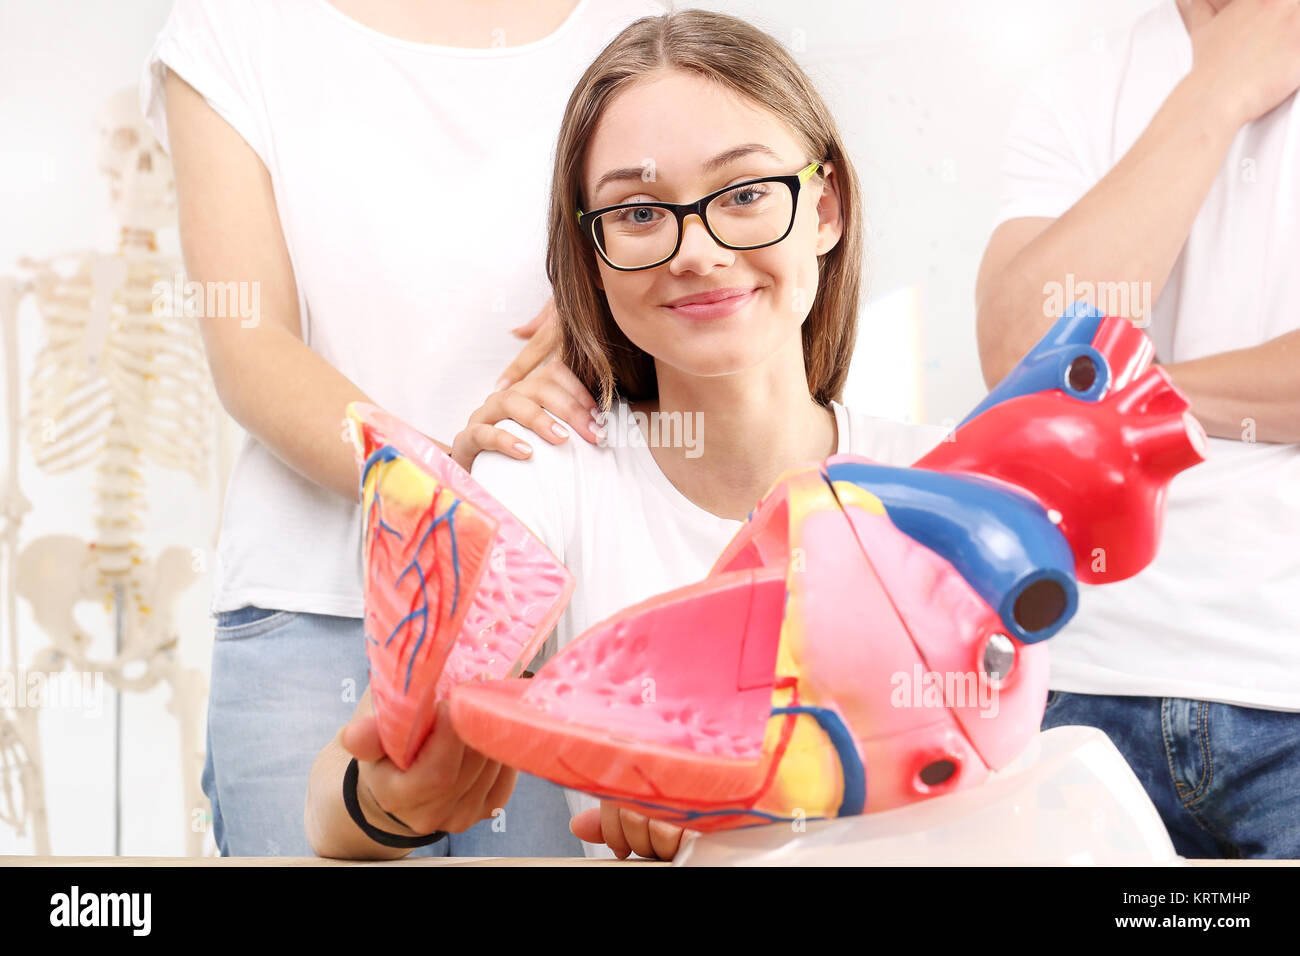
(523, 588)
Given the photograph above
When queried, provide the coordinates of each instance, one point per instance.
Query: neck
(749, 428)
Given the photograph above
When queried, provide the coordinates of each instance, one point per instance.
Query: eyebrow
(723, 158)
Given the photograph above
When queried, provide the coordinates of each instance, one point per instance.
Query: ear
(830, 222)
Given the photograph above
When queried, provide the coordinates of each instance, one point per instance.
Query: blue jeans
(1225, 779)
(283, 683)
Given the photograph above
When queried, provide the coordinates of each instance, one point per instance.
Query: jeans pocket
(250, 621)
(1052, 697)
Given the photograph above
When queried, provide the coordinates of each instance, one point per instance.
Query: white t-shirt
(412, 184)
(616, 521)
(1217, 614)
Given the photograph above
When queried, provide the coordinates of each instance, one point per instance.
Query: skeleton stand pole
(12, 509)
(117, 724)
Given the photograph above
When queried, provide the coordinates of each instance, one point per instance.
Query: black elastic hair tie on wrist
(350, 779)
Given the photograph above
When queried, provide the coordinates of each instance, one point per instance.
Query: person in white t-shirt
(743, 353)
(1161, 181)
(376, 172)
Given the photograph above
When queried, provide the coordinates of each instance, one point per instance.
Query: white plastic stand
(1069, 799)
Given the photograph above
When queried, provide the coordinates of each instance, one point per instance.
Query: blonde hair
(747, 61)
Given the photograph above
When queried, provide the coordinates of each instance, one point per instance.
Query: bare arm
(267, 378)
(1132, 225)
(1246, 394)
(331, 831)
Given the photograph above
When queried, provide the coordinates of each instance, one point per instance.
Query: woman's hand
(449, 786)
(548, 388)
(626, 832)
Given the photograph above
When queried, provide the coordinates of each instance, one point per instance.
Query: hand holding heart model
(456, 587)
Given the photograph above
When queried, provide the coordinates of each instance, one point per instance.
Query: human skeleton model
(117, 381)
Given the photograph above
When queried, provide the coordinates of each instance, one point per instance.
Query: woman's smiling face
(711, 311)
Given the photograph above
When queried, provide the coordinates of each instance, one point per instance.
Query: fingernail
(597, 433)
(523, 448)
(502, 382)
(560, 430)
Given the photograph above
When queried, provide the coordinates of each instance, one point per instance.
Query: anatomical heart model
(777, 687)
(456, 587)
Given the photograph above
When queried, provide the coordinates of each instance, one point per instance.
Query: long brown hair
(747, 61)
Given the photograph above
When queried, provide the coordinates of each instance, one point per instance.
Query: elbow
(325, 845)
(323, 782)
(227, 398)
(1011, 315)
(330, 830)
(992, 336)
(317, 837)
(226, 382)
(1012, 303)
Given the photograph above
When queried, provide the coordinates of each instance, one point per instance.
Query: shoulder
(570, 456)
(547, 465)
(231, 38)
(1064, 97)
(216, 46)
(551, 488)
(888, 441)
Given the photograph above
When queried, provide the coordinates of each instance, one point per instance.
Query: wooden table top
(410, 861)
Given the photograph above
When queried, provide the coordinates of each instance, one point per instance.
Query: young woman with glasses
(705, 247)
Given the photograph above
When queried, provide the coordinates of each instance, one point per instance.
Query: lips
(712, 304)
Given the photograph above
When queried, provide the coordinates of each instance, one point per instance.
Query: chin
(714, 365)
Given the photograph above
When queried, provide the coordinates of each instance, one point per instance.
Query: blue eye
(639, 215)
(745, 196)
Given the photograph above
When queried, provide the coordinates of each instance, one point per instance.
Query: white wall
(921, 88)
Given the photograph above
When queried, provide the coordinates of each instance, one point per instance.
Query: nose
(698, 252)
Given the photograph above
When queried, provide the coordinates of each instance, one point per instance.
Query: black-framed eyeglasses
(749, 215)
